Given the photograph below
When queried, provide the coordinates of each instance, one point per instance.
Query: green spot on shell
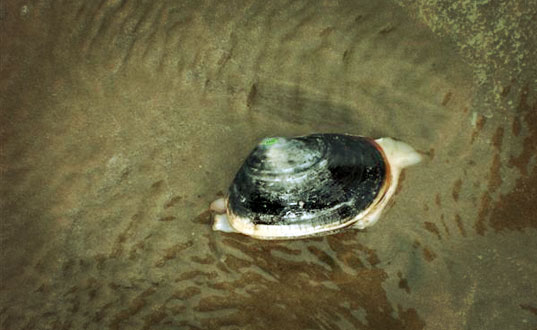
(269, 141)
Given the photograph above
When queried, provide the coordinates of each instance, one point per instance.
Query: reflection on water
(331, 283)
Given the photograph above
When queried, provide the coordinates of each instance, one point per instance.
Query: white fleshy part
(399, 155)
(221, 223)
(218, 206)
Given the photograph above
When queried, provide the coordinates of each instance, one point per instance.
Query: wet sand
(121, 121)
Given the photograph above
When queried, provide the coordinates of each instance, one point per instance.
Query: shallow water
(122, 121)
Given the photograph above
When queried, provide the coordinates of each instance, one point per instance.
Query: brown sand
(120, 121)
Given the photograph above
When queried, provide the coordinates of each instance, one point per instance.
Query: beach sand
(120, 122)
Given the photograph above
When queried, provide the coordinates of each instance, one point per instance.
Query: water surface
(121, 121)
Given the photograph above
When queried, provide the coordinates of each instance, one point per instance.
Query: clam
(319, 184)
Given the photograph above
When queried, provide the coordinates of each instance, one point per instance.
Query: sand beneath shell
(121, 121)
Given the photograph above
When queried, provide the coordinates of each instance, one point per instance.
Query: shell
(310, 185)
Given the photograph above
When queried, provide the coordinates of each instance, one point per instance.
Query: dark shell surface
(316, 179)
